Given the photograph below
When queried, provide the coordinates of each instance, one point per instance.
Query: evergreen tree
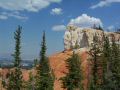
(110, 65)
(29, 85)
(72, 81)
(100, 28)
(106, 62)
(36, 62)
(115, 65)
(94, 26)
(95, 54)
(97, 27)
(11, 83)
(44, 79)
(15, 77)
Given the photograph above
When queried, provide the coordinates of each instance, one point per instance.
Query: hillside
(58, 65)
(83, 38)
(74, 35)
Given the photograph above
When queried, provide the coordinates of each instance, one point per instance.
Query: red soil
(58, 65)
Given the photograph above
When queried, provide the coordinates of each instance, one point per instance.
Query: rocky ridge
(83, 37)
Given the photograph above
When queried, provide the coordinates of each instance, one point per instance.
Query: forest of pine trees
(105, 57)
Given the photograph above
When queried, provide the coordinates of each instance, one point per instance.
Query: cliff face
(73, 36)
(83, 38)
(58, 65)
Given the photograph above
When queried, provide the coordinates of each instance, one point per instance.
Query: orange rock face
(58, 65)
(25, 73)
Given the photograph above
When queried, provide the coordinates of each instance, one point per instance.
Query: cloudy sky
(52, 16)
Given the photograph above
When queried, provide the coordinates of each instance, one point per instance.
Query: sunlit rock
(76, 37)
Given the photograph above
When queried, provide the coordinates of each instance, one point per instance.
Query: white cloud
(59, 28)
(85, 21)
(104, 3)
(111, 27)
(56, 11)
(17, 15)
(3, 17)
(28, 5)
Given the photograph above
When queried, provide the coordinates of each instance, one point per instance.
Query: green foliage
(115, 65)
(15, 77)
(44, 79)
(95, 54)
(36, 62)
(30, 84)
(11, 83)
(97, 27)
(76, 46)
(106, 59)
(72, 80)
(100, 28)
(110, 58)
(4, 83)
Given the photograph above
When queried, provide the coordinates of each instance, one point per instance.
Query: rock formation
(83, 38)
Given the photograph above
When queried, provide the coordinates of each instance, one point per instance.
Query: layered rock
(83, 38)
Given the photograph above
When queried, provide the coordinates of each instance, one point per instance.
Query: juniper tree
(44, 79)
(15, 77)
(73, 79)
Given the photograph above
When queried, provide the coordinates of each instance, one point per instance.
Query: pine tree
(111, 65)
(106, 59)
(94, 26)
(11, 83)
(115, 65)
(29, 85)
(35, 62)
(72, 81)
(100, 28)
(44, 79)
(95, 54)
(15, 77)
(97, 27)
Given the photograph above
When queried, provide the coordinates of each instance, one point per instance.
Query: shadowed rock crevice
(84, 42)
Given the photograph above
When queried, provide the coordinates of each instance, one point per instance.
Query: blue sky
(52, 16)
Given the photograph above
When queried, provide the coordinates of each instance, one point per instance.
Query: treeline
(105, 68)
(105, 64)
(42, 79)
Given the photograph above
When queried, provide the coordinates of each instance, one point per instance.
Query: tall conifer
(44, 79)
(95, 52)
(15, 77)
(115, 64)
(73, 79)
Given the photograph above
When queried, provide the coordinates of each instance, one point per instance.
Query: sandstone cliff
(83, 38)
